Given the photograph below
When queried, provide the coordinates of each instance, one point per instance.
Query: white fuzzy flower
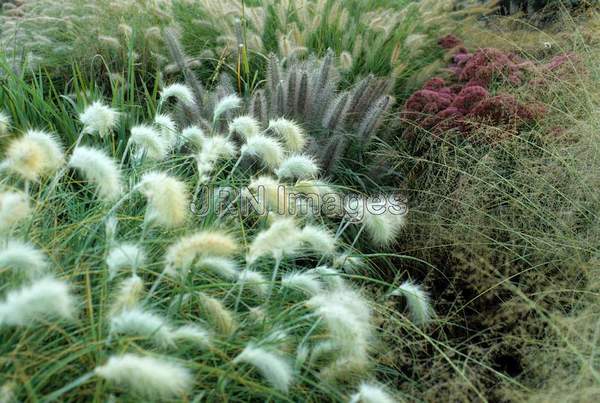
(97, 167)
(4, 123)
(14, 208)
(247, 126)
(267, 149)
(54, 156)
(192, 333)
(318, 239)
(193, 135)
(329, 276)
(137, 322)
(213, 149)
(383, 217)
(168, 129)
(179, 91)
(298, 166)
(292, 134)
(221, 266)
(128, 295)
(124, 256)
(99, 119)
(266, 194)
(26, 158)
(273, 367)
(369, 393)
(418, 302)
(168, 200)
(147, 376)
(255, 281)
(305, 282)
(149, 143)
(24, 258)
(280, 239)
(225, 104)
(43, 299)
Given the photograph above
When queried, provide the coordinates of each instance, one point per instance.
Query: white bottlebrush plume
(217, 314)
(280, 239)
(147, 376)
(313, 187)
(183, 254)
(179, 91)
(213, 149)
(193, 135)
(128, 295)
(39, 301)
(417, 301)
(97, 167)
(267, 149)
(266, 194)
(24, 258)
(149, 143)
(272, 366)
(25, 157)
(246, 126)
(99, 119)
(369, 393)
(305, 282)
(329, 276)
(255, 281)
(220, 266)
(14, 208)
(4, 123)
(54, 156)
(192, 333)
(225, 104)
(318, 239)
(291, 133)
(123, 256)
(140, 323)
(298, 166)
(383, 218)
(168, 200)
(167, 128)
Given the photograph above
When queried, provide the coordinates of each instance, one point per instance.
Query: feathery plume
(258, 106)
(128, 294)
(167, 199)
(335, 116)
(255, 281)
(168, 129)
(270, 195)
(213, 149)
(298, 166)
(179, 91)
(181, 255)
(369, 393)
(280, 239)
(14, 208)
(217, 315)
(45, 298)
(274, 368)
(244, 125)
(98, 119)
(193, 135)
(373, 118)
(305, 282)
(97, 167)
(318, 239)
(383, 217)
(54, 156)
(149, 143)
(267, 149)
(125, 255)
(291, 133)
(221, 266)
(4, 123)
(225, 104)
(418, 302)
(192, 333)
(329, 276)
(25, 157)
(24, 258)
(147, 376)
(136, 322)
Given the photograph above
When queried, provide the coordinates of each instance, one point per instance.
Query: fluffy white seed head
(318, 239)
(23, 258)
(213, 149)
(139, 323)
(179, 91)
(124, 256)
(246, 126)
(181, 256)
(329, 276)
(223, 267)
(217, 314)
(225, 104)
(272, 366)
(267, 149)
(149, 143)
(193, 135)
(99, 119)
(305, 282)
(39, 301)
(168, 200)
(128, 294)
(14, 208)
(97, 167)
(54, 156)
(300, 166)
(4, 123)
(168, 129)
(192, 333)
(291, 133)
(369, 393)
(25, 157)
(280, 239)
(417, 301)
(255, 281)
(148, 377)
(383, 217)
